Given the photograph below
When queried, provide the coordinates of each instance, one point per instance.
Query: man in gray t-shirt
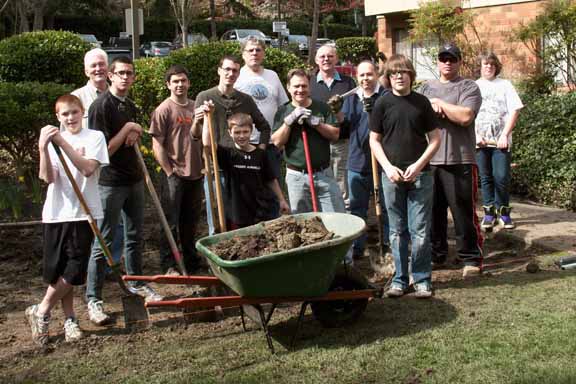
(456, 101)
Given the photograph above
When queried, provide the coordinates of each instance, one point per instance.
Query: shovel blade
(135, 313)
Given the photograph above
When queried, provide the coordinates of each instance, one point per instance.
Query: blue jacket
(356, 125)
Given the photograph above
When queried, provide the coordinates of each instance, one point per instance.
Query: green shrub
(356, 49)
(25, 108)
(544, 148)
(44, 56)
(201, 60)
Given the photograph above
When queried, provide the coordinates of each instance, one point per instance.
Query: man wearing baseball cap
(456, 101)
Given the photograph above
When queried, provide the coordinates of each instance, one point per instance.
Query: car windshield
(298, 38)
(242, 33)
(161, 44)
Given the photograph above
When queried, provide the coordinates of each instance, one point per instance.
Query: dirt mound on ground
(280, 235)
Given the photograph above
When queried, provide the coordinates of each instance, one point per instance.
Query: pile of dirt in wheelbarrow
(280, 235)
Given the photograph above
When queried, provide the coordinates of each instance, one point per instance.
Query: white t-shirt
(499, 100)
(266, 90)
(61, 203)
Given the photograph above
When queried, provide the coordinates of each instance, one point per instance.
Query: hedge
(44, 56)
(543, 150)
(201, 60)
(25, 108)
(356, 49)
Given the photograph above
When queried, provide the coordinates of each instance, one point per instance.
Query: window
(420, 53)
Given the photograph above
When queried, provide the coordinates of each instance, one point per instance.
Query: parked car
(323, 41)
(94, 42)
(240, 35)
(301, 41)
(117, 52)
(120, 42)
(155, 49)
(346, 69)
(193, 38)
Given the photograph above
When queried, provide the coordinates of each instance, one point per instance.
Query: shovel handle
(376, 183)
(158, 206)
(221, 215)
(309, 169)
(91, 221)
(210, 183)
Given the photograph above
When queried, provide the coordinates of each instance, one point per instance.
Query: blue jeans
(209, 221)
(361, 187)
(327, 192)
(494, 170)
(128, 202)
(409, 212)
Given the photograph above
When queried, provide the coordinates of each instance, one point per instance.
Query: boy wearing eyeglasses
(404, 136)
(456, 101)
(121, 185)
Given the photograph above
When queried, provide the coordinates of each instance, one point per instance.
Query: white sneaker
(96, 312)
(72, 331)
(38, 325)
(147, 293)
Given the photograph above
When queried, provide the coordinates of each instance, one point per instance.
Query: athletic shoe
(172, 272)
(72, 331)
(471, 271)
(489, 220)
(423, 290)
(505, 220)
(38, 325)
(96, 312)
(147, 293)
(395, 290)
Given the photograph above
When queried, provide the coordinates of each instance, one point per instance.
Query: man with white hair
(329, 83)
(96, 69)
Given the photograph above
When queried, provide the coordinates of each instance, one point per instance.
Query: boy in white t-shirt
(67, 235)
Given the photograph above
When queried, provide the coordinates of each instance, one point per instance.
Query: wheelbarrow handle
(204, 281)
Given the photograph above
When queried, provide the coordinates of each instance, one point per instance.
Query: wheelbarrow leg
(256, 314)
(299, 323)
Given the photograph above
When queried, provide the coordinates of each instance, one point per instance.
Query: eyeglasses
(450, 59)
(326, 57)
(228, 70)
(257, 50)
(398, 72)
(124, 73)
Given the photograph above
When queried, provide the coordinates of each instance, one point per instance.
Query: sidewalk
(550, 228)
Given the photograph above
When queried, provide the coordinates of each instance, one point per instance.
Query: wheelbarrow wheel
(338, 313)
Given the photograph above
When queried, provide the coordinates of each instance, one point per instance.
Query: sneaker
(395, 290)
(423, 290)
(471, 271)
(505, 220)
(172, 272)
(147, 293)
(489, 220)
(38, 325)
(96, 312)
(72, 331)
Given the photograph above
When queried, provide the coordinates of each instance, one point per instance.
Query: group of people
(424, 141)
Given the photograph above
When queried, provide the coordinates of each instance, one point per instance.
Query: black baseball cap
(450, 49)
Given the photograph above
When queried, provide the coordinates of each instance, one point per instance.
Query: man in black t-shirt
(404, 136)
(121, 185)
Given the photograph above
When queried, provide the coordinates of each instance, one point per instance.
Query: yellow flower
(21, 179)
(158, 169)
(144, 150)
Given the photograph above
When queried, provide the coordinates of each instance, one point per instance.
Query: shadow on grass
(383, 319)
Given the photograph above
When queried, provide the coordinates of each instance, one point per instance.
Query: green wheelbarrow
(314, 275)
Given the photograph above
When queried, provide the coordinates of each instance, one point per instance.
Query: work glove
(314, 121)
(335, 103)
(298, 114)
(368, 104)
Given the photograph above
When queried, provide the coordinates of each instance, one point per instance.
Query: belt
(314, 170)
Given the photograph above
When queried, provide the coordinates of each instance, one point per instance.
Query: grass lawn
(512, 327)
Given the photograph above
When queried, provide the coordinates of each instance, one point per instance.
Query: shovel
(135, 313)
(379, 263)
(221, 215)
(158, 206)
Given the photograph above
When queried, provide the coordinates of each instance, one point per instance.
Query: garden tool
(309, 169)
(221, 215)
(209, 181)
(135, 312)
(173, 247)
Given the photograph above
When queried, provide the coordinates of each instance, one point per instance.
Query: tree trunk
(24, 27)
(213, 33)
(314, 36)
(38, 19)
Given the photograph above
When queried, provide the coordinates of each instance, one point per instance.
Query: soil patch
(280, 235)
